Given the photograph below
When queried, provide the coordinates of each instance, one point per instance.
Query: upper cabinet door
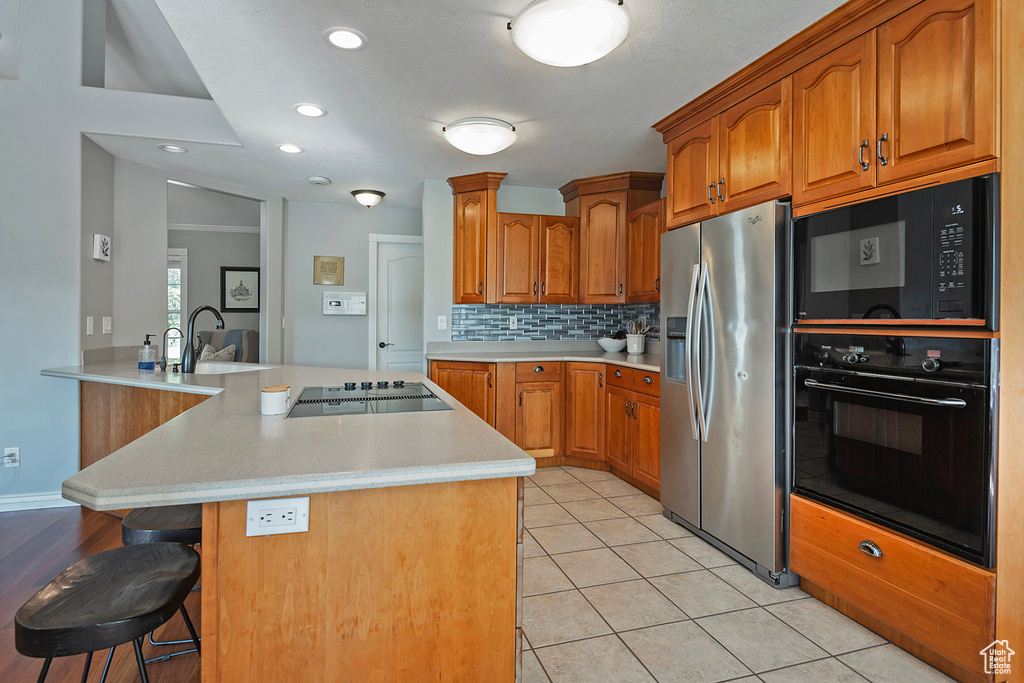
(936, 88)
(518, 258)
(603, 248)
(833, 123)
(643, 253)
(754, 149)
(692, 168)
(559, 259)
(470, 247)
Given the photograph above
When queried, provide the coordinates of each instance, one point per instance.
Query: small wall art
(101, 247)
(239, 289)
(328, 270)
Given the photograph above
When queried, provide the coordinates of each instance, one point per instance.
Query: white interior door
(399, 306)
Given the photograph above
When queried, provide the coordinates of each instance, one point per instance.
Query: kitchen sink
(211, 368)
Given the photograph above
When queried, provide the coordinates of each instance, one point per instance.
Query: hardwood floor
(35, 546)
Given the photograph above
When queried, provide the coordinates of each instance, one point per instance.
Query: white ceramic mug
(274, 399)
(634, 343)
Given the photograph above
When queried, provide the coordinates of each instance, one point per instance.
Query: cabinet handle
(871, 548)
(628, 404)
(721, 184)
(600, 380)
(884, 160)
(489, 385)
(535, 288)
(618, 373)
(620, 289)
(635, 404)
(542, 289)
(860, 155)
(539, 368)
(520, 399)
(480, 289)
(647, 379)
(710, 198)
(657, 284)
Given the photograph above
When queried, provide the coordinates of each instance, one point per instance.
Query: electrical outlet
(513, 323)
(107, 324)
(12, 457)
(276, 516)
(442, 322)
(88, 325)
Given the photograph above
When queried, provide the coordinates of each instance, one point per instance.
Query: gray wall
(207, 252)
(313, 229)
(97, 289)
(197, 206)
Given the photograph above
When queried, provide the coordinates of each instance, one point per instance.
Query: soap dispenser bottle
(147, 355)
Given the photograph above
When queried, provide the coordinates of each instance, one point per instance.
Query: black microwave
(921, 257)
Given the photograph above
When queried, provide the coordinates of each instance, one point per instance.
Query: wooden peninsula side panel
(389, 584)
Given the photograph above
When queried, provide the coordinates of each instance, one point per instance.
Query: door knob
(383, 344)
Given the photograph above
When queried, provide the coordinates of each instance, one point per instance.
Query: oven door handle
(947, 402)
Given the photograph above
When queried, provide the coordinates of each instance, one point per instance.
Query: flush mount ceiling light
(478, 135)
(173, 149)
(290, 149)
(311, 110)
(570, 32)
(368, 198)
(318, 180)
(345, 38)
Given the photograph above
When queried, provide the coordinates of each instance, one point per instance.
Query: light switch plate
(88, 325)
(442, 322)
(276, 516)
(107, 324)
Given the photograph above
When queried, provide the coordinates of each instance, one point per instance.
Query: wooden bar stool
(170, 524)
(107, 599)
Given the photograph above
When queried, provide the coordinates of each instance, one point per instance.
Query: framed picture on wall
(239, 289)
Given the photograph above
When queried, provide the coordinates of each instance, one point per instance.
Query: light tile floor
(613, 591)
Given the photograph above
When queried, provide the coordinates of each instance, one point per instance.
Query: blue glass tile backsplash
(534, 322)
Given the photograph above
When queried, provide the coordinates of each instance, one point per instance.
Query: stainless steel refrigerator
(725, 389)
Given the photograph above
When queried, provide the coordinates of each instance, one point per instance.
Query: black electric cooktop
(366, 398)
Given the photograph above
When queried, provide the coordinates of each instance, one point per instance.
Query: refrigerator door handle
(696, 378)
(689, 352)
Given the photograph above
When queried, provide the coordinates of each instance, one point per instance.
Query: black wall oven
(925, 255)
(901, 431)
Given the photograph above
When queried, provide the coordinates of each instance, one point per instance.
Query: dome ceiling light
(368, 198)
(479, 135)
(570, 32)
(318, 180)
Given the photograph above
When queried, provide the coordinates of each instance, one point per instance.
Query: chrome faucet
(191, 355)
(163, 348)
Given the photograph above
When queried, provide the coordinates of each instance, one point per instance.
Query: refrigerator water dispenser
(675, 351)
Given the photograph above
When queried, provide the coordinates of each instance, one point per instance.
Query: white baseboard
(34, 501)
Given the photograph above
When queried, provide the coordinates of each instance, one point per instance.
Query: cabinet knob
(618, 373)
(539, 368)
(871, 548)
(647, 379)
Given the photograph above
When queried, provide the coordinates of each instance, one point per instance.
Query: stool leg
(191, 628)
(46, 667)
(106, 667)
(138, 658)
(88, 663)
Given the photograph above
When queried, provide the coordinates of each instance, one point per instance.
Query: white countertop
(224, 449)
(648, 361)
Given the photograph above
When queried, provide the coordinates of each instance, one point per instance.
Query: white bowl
(612, 345)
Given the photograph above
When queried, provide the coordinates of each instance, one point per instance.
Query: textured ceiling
(430, 62)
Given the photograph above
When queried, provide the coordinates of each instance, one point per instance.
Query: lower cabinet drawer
(647, 382)
(620, 377)
(942, 602)
(539, 372)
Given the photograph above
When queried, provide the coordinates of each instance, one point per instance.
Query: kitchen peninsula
(410, 564)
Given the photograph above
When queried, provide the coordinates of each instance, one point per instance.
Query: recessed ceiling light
(478, 135)
(311, 110)
(345, 38)
(173, 149)
(290, 149)
(318, 180)
(570, 32)
(368, 198)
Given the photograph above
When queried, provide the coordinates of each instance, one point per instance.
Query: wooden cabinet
(944, 603)
(602, 204)
(538, 258)
(643, 252)
(633, 424)
(471, 384)
(736, 159)
(584, 410)
(475, 260)
(912, 97)
(540, 405)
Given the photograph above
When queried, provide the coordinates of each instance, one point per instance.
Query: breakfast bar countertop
(225, 449)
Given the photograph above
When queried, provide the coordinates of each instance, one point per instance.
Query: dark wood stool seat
(169, 523)
(106, 599)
